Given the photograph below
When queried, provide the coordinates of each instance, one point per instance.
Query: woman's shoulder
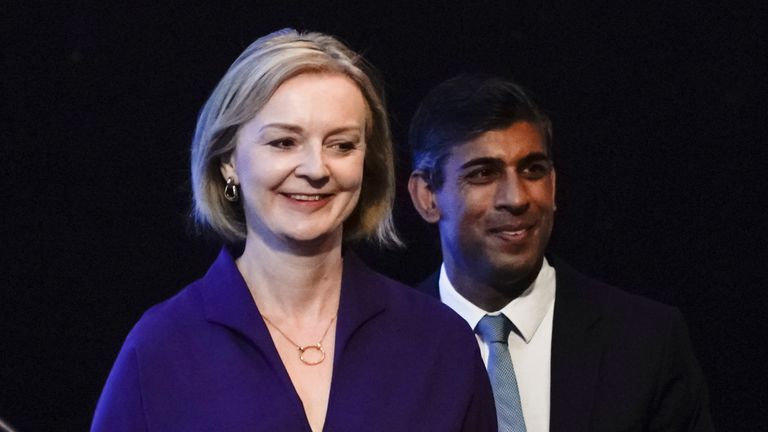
(186, 314)
(406, 305)
(172, 319)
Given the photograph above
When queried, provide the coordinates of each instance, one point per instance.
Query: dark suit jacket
(619, 362)
(204, 361)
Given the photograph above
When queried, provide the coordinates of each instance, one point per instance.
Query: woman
(292, 160)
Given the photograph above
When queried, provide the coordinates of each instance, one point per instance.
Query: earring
(231, 191)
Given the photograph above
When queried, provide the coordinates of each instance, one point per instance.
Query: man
(564, 352)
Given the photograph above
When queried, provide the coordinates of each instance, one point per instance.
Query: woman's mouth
(306, 197)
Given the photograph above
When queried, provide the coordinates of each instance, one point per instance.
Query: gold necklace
(302, 349)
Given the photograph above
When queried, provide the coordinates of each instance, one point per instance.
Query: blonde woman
(291, 161)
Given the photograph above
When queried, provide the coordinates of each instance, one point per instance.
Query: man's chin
(513, 271)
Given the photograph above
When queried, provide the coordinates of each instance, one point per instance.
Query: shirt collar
(526, 311)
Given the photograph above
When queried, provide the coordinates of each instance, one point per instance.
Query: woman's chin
(309, 242)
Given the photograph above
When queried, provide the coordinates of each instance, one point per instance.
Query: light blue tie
(494, 330)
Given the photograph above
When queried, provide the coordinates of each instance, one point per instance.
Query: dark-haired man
(564, 352)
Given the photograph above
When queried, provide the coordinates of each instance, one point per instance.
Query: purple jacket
(204, 361)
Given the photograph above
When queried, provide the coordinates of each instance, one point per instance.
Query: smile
(307, 197)
(511, 232)
(516, 233)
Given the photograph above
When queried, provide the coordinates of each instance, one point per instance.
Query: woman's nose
(312, 164)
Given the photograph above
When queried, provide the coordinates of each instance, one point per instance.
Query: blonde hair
(244, 90)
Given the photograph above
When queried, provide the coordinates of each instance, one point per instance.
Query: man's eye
(282, 143)
(537, 170)
(480, 175)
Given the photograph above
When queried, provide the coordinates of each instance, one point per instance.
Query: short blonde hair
(244, 90)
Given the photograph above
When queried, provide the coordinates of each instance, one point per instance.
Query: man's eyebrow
(497, 162)
(534, 157)
(486, 161)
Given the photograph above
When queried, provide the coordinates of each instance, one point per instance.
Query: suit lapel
(577, 348)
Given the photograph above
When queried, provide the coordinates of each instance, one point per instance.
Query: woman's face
(299, 161)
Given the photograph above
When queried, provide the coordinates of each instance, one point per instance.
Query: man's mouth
(511, 231)
(515, 233)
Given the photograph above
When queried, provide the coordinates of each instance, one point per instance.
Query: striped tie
(494, 330)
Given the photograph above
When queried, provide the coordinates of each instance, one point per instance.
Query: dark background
(660, 143)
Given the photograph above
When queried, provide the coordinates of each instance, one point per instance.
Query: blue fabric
(204, 361)
(494, 330)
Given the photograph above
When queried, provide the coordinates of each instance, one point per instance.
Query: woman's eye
(282, 143)
(343, 147)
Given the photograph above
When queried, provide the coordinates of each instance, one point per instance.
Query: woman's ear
(227, 167)
(423, 197)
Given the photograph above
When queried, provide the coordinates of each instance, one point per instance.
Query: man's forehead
(516, 142)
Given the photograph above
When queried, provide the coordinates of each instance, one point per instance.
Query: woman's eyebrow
(344, 129)
(298, 129)
(284, 126)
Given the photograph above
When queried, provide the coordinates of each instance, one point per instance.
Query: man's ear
(227, 168)
(423, 197)
(553, 179)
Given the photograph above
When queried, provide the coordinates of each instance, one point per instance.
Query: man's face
(496, 207)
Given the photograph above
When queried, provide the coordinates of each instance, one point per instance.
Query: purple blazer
(204, 361)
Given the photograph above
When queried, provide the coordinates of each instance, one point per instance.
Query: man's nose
(312, 164)
(512, 195)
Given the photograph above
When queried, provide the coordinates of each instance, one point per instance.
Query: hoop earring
(231, 191)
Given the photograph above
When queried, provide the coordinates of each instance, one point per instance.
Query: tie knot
(494, 328)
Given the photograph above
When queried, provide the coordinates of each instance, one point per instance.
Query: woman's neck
(290, 284)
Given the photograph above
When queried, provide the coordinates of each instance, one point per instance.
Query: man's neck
(490, 293)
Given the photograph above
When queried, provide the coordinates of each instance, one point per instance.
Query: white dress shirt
(531, 356)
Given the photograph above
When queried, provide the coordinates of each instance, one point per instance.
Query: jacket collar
(360, 299)
(577, 346)
(228, 302)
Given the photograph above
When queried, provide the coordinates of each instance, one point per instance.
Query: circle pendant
(316, 347)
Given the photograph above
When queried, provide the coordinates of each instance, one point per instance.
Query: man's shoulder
(430, 285)
(644, 349)
(585, 294)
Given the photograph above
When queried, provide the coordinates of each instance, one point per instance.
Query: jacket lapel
(228, 302)
(577, 347)
(359, 300)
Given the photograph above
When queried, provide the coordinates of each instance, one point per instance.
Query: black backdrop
(660, 143)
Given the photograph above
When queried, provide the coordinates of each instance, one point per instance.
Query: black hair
(463, 108)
